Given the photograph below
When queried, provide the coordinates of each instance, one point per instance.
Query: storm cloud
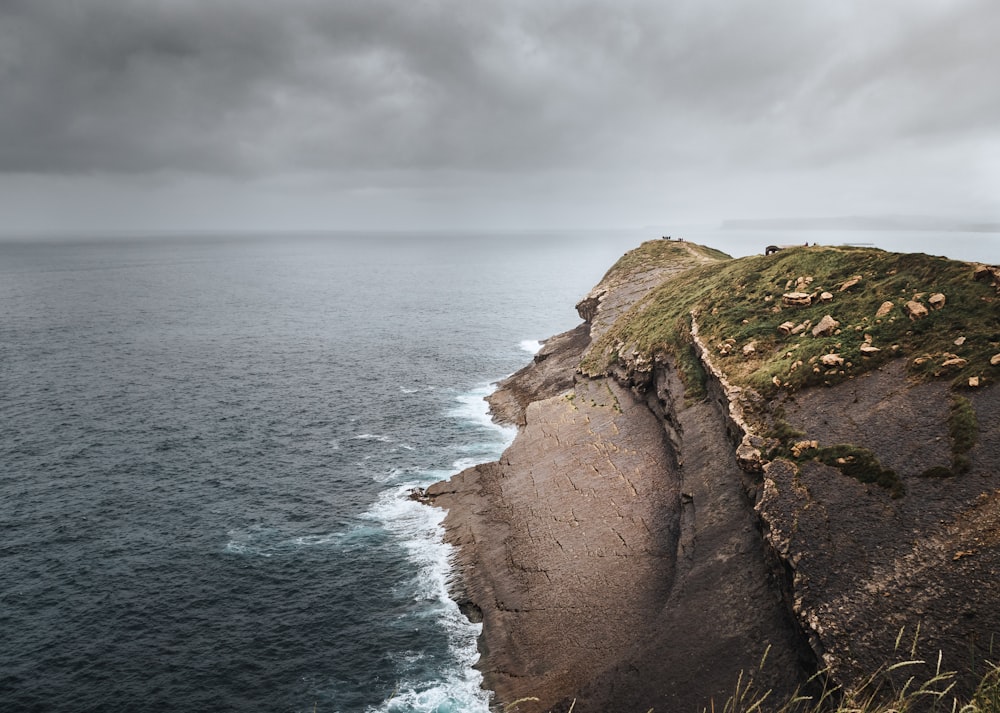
(698, 100)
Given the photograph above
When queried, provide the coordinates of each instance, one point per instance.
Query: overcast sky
(305, 114)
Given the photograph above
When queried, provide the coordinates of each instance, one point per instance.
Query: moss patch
(860, 464)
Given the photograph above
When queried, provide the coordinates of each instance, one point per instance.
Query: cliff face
(658, 523)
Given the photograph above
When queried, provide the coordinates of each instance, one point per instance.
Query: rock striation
(645, 539)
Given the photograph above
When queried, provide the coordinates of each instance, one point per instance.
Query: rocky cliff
(791, 454)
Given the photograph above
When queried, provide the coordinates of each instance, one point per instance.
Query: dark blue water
(205, 448)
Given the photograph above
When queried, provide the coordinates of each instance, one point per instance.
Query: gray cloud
(638, 89)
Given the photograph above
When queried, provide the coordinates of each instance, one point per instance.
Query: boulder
(995, 360)
(867, 349)
(832, 360)
(826, 297)
(916, 310)
(799, 328)
(937, 300)
(884, 309)
(953, 361)
(850, 283)
(796, 298)
(786, 327)
(825, 326)
(750, 349)
(973, 381)
(959, 342)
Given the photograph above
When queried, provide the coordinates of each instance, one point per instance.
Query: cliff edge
(791, 454)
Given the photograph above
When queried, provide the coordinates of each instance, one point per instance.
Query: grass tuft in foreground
(906, 685)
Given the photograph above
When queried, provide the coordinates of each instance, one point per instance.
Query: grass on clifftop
(740, 311)
(659, 253)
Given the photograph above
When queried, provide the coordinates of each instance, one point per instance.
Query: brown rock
(937, 300)
(832, 360)
(825, 326)
(850, 283)
(885, 308)
(826, 297)
(959, 342)
(916, 310)
(802, 446)
(954, 362)
(973, 381)
(786, 327)
(796, 298)
(799, 328)
(868, 350)
(995, 360)
(750, 349)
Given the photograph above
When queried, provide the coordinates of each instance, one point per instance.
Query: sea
(208, 442)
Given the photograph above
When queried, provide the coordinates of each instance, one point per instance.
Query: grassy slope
(741, 300)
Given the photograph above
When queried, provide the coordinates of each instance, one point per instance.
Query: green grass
(741, 300)
(660, 253)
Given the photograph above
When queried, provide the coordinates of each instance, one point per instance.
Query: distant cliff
(792, 453)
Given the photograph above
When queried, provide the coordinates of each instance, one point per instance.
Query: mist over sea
(206, 444)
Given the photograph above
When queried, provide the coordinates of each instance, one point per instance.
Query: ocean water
(206, 446)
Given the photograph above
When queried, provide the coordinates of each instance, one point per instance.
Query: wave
(473, 409)
(530, 345)
(371, 437)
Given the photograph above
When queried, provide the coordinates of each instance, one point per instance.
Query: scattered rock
(748, 455)
(799, 328)
(916, 310)
(802, 446)
(867, 349)
(796, 298)
(825, 326)
(786, 327)
(995, 360)
(884, 309)
(954, 362)
(750, 349)
(832, 360)
(960, 341)
(937, 300)
(973, 381)
(850, 283)
(826, 297)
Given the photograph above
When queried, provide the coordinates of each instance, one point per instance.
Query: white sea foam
(419, 530)
(473, 408)
(531, 345)
(372, 437)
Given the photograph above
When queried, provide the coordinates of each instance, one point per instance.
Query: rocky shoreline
(635, 549)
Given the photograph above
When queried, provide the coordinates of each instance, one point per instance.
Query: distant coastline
(862, 223)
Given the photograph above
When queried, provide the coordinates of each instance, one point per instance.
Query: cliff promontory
(792, 454)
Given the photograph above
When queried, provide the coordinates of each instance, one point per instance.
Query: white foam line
(419, 528)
